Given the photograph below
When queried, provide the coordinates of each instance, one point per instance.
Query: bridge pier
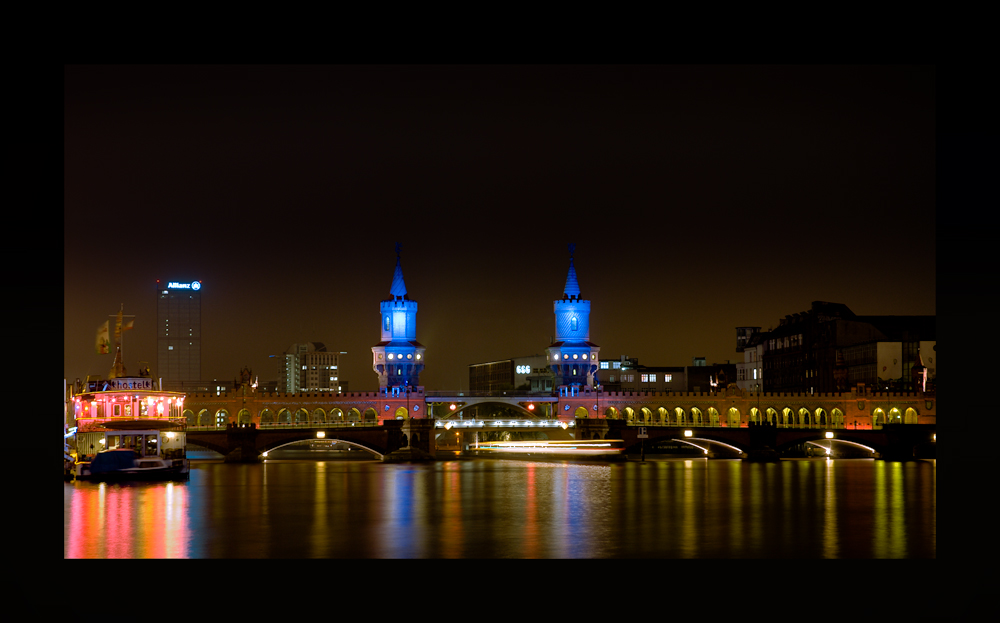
(242, 443)
(420, 442)
(906, 442)
(763, 442)
(591, 428)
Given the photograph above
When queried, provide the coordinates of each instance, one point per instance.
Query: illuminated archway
(284, 416)
(612, 414)
(244, 417)
(696, 417)
(401, 413)
(646, 415)
(755, 416)
(772, 416)
(663, 416)
(680, 416)
(336, 415)
(713, 417)
(354, 415)
(629, 414)
(821, 418)
(911, 416)
(190, 417)
(267, 417)
(787, 417)
(221, 418)
(878, 417)
(205, 418)
(733, 417)
(370, 415)
(838, 418)
(318, 415)
(580, 412)
(895, 416)
(805, 418)
(301, 417)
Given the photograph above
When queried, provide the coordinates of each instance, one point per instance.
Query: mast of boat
(118, 368)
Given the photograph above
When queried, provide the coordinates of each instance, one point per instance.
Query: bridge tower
(398, 358)
(573, 357)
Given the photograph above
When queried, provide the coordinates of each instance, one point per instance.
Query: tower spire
(572, 289)
(398, 287)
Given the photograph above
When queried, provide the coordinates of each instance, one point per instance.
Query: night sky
(700, 198)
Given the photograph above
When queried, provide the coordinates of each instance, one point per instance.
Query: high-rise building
(311, 368)
(178, 332)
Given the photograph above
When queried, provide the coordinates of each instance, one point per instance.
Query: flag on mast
(128, 325)
(103, 345)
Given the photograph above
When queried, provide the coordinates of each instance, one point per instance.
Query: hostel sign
(130, 384)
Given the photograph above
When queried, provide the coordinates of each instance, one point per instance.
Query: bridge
(247, 443)
(890, 441)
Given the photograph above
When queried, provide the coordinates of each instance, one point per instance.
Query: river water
(489, 508)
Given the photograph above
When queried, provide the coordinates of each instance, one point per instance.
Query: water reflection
(820, 508)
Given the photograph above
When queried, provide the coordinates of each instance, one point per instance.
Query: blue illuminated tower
(573, 357)
(398, 358)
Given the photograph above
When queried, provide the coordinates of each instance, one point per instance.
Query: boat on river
(127, 426)
(128, 464)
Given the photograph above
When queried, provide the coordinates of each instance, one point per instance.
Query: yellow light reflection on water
(831, 541)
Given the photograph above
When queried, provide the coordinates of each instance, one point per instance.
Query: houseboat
(128, 428)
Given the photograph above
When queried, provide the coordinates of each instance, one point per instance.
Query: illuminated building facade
(178, 333)
(398, 358)
(573, 358)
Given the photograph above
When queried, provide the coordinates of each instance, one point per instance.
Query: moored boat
(127, 464)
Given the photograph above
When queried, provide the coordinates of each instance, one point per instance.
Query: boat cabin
(128, 412)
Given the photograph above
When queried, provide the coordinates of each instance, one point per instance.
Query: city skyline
(699, 199)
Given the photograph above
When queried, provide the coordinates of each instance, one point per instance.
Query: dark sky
(700, 198)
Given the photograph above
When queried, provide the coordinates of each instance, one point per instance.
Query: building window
(617, 365)
(652, 378)
(611, 378)
(667, 378)
(573, 324)
(604, 365)
(644, 378)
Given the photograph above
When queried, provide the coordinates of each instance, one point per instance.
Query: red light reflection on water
(126, 521)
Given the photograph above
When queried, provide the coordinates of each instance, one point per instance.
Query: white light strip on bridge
(853, 443)
(705, 450)
(721, 443)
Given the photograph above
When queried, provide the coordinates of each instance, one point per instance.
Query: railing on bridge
(286, 425)
(724, 424)
(506, 393)
(460, 424)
